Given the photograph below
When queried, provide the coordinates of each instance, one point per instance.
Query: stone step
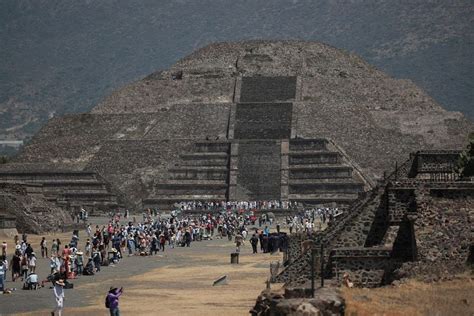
(210, 162)
(223, 147)
(165, 202)
(69, 183)
(204, 155)
(199, 173)
(308, 144)
(42, 177)
(193, 182)
(92, 203)
(320, 167)
(86, 195)
(198, 168)
(192, 191)
(313, 157)
(194, 188)
(310, 152)
(322, 181)
(188, 197)
(328, 187)
(75, 192)
(319, 172)
(340, 198)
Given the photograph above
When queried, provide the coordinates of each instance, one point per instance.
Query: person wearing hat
(79, 262)
(112, 300)
(58, 291)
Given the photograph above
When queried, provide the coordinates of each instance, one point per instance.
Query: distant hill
(64, 56)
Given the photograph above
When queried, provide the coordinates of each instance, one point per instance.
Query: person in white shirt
(58, 291)
(31, 281)
(32, 263)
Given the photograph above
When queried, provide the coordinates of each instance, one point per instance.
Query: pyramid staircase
(201, 175)
(319, 175)
(67, 188)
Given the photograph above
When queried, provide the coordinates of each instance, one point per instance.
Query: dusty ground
(450, 298)
(182, 288)
(176, 282)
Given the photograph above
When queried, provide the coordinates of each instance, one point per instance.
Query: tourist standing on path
(254, 242)
(16, 266)
(44, 248)
(2, 275)
(54, 248)
(238, 242)
(58, 291)
(112, 301)
(4, 249)
(32, 263)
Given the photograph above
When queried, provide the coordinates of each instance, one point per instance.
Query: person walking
(58, 291)
(112, 301)
(254, 242)
(2, 275)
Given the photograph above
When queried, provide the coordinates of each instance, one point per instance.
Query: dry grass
(414, 298)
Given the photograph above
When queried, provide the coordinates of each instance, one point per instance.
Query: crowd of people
(235, 205)
(105, 245)
(22, 264)
(312, 219)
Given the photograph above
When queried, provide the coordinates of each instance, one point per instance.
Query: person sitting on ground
(347, 281)
(89, 268)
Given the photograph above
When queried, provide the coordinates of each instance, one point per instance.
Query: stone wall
(32, 212)
(405, 227)
(194, 121)
(67, 188)
(133, 166)
(366, 267)
(443, 236)
(436, 161)
(400, 202)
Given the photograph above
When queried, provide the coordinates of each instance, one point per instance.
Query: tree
(465, 166)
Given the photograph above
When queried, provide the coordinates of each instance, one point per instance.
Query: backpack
(107, 303)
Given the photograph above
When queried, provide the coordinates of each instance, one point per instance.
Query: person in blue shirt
(266, 231)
